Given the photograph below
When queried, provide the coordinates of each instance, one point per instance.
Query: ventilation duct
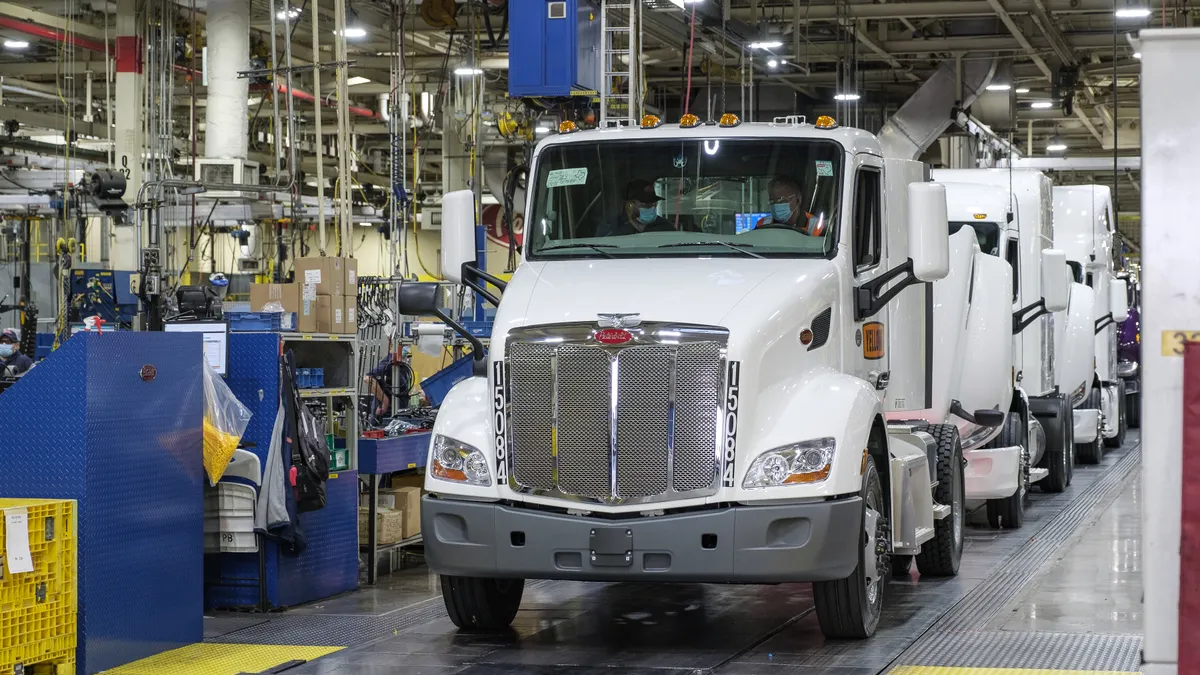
(928, 112)
(227, 54)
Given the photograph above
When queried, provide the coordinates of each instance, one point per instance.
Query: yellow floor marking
(220, 659)
(951, 670)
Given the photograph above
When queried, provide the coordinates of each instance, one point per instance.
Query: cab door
(866, 340)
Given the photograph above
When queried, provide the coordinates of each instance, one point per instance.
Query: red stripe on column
(37, 30)
(1189, 545)
(129, 54)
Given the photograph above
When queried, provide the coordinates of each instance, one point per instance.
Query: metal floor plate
(624, 629)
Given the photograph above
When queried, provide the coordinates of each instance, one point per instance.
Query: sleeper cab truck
(690, 373)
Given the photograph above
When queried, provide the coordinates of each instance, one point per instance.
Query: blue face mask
(647, 215)
(781, 212)
(7, 350)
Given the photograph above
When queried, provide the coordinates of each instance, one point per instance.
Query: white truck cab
(691, 371)
(1010, 214)
(1083, 222)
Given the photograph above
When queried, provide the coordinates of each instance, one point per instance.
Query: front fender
(819, 404)
(1074, 348)
(466, 415)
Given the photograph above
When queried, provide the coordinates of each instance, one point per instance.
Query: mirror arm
(477, 347)
(1035, 310)
(491, 279)
(471, 276)
(1104, 322)
(867, 298)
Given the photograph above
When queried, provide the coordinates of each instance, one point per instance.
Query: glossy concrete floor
(1061, 592)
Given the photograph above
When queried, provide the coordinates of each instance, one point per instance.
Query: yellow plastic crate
(38, 609)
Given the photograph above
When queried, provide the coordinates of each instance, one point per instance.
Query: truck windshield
(987, 233)
(685, 197)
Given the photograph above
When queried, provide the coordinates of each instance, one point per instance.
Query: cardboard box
(351, 315)
(351, 267)
(327, 274)
(306, 315)
(287, 295)
(389, 526)
(408, 480)
(331, 314)
(408, 502)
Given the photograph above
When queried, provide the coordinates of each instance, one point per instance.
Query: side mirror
(1118, 300)
(458, 233)
(928, 231)
(1056, 287)
(418, 299)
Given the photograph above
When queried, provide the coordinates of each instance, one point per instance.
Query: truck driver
(786, 209)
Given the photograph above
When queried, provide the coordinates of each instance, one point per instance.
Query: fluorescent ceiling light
(765, 45)
(16, 44)
(1058, 146)
(1041, 105)
(466, 71)
(543, 130)
(681, 3)
(999, 87)
(1137, 55)
(772, 63)
(846, 97)
(357, 80)
(1132, 12)
(287, 14)
(354, 32)
(1022, 90)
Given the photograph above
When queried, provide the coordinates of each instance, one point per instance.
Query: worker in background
(786, 209)
(379, 383)
(12, 361)
(639, 213)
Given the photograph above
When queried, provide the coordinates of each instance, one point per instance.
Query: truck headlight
(459, 462)
(799, 463)
(1127, 369)
(1077, 395)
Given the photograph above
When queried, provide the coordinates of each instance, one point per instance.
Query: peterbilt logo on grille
(613, 336)
(619, 320)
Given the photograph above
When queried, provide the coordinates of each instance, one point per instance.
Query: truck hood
(691, 290)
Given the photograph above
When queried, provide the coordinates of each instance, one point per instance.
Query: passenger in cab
(639, 213)
(787, 210)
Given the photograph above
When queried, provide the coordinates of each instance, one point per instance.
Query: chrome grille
(532, 410)
(643, 419)
(658, 440)
(585, 421)
(696, 406)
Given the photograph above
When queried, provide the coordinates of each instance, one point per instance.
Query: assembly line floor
(1062, 593)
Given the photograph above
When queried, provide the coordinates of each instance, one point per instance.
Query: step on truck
(1002, 445)
(690, 373)
(1083, 229)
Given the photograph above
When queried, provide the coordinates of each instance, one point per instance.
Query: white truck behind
(1083, 229)
(1016, 224)
(690, 373)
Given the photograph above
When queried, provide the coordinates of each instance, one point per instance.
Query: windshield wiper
(598, 248)
(740, 248)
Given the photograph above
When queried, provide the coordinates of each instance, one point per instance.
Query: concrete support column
(226, 125)
(128, 92)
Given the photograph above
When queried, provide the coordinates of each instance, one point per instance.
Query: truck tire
(476, 603)
(850, 608)
(1060, 446)
(1091, 452)
(1009, 512)
(1119, 440)
(1133, 409)
(940, 556)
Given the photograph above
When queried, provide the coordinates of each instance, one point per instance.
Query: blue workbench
(381, 456)
(114, 421)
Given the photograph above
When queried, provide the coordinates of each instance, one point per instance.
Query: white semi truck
(1001, 466)
(1016, 224)
(1083, 229)
(690, 373)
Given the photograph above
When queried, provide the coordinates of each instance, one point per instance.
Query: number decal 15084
(732, 392)
(500, 421)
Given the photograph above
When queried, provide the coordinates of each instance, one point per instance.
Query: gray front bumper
(750, 544)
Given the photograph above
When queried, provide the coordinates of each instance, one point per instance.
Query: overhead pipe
(316, 50)
(305, 96)
(36, 30)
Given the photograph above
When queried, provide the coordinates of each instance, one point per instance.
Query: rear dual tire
(1009, 512)
(941, 556)
(1059, 457)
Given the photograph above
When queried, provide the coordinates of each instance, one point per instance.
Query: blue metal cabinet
(554, 47)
